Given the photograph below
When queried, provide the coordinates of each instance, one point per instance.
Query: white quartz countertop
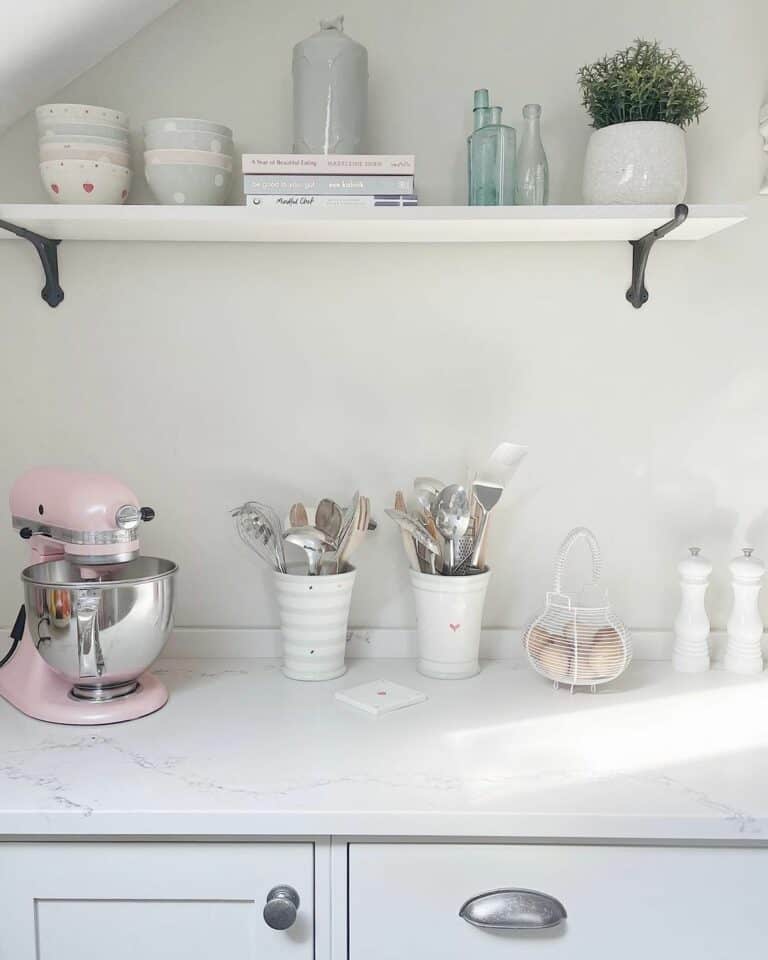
(241, 751)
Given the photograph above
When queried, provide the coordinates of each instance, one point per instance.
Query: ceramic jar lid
(747, 567)
(694, 567)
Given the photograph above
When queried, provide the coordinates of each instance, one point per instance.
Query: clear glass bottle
(532, 182)
(490, 156)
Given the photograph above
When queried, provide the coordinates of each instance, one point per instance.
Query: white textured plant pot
(314, 612)
(449, 617)
(639, 162)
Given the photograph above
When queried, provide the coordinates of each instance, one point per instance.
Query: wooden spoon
(409, 544)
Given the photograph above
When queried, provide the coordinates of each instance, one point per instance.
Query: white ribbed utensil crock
(449, 616)
(314, 612)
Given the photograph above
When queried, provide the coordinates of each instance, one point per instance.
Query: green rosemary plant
(642, 82)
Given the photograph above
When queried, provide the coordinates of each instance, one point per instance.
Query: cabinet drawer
(124, 901)
(632, 902)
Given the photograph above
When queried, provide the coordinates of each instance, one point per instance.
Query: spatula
(487, 495)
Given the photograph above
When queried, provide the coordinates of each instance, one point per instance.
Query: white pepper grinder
(690, 653)
(743, 652)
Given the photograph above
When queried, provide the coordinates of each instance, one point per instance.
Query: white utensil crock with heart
(449, 617)
(314, 612)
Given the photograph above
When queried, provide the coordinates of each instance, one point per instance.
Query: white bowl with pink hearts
(85, 181)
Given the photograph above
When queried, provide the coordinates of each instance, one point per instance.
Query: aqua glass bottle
(532, 183)
(490, 156)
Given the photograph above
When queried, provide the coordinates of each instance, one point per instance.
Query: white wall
(205, 374)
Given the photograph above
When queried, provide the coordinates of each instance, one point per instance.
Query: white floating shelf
(445, 224)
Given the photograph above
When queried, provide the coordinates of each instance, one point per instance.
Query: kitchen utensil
(100, 627)
(743, 651)
(409, 544)
(260, 529)
(451, 514)
(313, 542)
(364, 522)
(578, 640)
(690, 652)
(85, 181)
(96, 615)
(348, 521)
(415, 529)
(502, 463)
(193, 184)
(463, 558)
(297, 516)
(426, 490)
(328, 519)
(487, 494)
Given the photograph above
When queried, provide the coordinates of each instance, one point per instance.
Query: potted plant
(640, 100)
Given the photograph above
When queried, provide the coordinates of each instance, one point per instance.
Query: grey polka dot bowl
(189, 140)
(186, 184)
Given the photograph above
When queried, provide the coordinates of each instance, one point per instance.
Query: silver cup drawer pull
(513, 909)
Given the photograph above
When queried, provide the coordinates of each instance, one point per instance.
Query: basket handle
(579, 533)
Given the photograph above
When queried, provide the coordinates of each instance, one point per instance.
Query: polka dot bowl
(190, 140)
(49, 114)
(189, 184)
(85, 181)
(169, 124)
(204, 157)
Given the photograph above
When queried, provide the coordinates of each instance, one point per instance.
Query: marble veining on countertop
(242, 751)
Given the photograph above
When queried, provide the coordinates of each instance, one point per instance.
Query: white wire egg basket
(575, 643)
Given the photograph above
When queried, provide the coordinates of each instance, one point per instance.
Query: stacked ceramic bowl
(188, 161)
(84, 153)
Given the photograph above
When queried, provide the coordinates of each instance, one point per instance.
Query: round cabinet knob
(281, 907)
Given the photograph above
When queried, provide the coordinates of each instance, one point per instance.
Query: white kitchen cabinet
(629, 902)
(147, 901)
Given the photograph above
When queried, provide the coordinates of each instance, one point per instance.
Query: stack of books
(297, 181)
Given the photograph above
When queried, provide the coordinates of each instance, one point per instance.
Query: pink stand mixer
(96, 615)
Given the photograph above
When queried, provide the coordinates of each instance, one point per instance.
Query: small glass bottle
(532, 183)
(491, 156)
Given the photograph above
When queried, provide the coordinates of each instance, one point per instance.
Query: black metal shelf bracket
(641, 249)
(46, 250)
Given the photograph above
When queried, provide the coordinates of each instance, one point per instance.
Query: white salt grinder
(743, 653)
(690, 653)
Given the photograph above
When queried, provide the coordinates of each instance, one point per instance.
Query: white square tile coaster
(380, 696)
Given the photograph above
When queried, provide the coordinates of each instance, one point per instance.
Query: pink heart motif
(55, 187)
(88, 187)
(454, 626)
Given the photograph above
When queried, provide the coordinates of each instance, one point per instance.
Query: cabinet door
(147, 901)
(632, 903)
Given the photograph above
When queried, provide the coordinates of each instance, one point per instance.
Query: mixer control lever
(147, 514)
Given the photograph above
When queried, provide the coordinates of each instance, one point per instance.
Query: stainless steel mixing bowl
(100, 626)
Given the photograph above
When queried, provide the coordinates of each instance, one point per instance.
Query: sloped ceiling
(46, 44)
